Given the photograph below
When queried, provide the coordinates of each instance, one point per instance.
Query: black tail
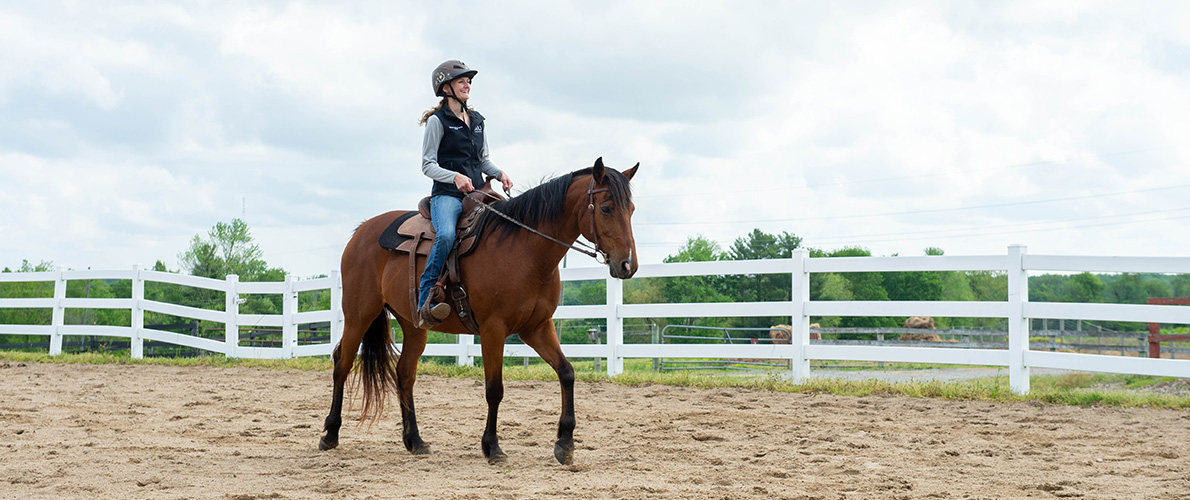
(377, 364)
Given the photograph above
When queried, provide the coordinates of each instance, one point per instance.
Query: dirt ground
(82, 431)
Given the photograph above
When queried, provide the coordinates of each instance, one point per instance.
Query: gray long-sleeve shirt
(429, 155)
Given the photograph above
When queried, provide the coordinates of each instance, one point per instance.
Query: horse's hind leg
(344, 360)
(544, 340)
(414, 344)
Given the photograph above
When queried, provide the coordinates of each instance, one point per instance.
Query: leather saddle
(413, 233)
(401, 234)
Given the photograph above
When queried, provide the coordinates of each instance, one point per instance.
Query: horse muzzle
(622, 268)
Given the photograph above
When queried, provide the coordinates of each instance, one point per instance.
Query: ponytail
(426, 116)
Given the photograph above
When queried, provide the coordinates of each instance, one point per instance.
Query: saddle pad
(398, 236)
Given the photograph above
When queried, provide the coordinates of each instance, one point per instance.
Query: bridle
(591, 209)
(593, 251)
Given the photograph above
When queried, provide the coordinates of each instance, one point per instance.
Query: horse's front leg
(544, 340)
(493, 373)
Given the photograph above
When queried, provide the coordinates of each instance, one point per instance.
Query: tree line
(1125, 288)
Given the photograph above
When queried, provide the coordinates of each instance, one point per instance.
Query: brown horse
(513, 282)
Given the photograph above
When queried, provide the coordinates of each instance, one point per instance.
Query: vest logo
(479, 129)
(455, 127)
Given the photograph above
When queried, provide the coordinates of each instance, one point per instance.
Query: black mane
(545, 202)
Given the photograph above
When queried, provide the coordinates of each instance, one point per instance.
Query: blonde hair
(426, 116)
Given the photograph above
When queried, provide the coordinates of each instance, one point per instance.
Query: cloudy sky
(128, 128)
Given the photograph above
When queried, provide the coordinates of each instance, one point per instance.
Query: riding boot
(433, 311)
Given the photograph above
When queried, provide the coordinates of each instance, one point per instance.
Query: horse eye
(606, 210)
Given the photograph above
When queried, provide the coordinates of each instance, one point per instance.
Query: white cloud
(127, 129)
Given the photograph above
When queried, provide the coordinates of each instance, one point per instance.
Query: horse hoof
(325, 445)
(564, 454)
(498, 459)
(422, 450)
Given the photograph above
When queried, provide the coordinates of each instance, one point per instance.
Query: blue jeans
(444, 213)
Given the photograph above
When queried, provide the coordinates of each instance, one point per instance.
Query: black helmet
(448, 71)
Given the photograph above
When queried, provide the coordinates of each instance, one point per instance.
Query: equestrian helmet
(448, 71)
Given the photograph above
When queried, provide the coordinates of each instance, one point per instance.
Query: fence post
(336, 309)
(465, 342)
(58, 318)
(136, 344)
(288, 324)
(656, 336)
(800, 322)
(615, 326)
(231, 324)
(1018, 324)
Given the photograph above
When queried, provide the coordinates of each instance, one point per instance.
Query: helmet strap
(451, 94)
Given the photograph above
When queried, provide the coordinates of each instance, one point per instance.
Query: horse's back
(363, 256)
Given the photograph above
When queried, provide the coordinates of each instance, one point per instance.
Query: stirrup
(429, 316)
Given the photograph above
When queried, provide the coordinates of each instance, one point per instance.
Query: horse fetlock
(564, 452)
(491, 449)
(499, 458)
(416, 446)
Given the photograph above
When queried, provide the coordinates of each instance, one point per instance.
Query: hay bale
(781, 333)
(925, 322)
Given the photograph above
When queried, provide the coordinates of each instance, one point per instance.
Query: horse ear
(632, 171)
(597, 170)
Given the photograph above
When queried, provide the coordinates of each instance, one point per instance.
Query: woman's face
(461, 87)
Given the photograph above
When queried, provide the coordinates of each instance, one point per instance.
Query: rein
(593, 251)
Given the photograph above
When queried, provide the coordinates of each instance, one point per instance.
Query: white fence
(1017, 310)
(287, 321)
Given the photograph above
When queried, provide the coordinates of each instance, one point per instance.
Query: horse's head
(607, 220)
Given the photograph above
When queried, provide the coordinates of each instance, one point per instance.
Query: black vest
(459, 150)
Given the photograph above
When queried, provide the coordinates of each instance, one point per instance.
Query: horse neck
(565, 227)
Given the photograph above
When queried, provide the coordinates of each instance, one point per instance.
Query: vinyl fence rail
(230, 317)
(1017, 309)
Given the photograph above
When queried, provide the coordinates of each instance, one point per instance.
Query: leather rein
(593, 251)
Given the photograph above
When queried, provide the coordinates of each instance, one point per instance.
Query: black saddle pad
(389, 239)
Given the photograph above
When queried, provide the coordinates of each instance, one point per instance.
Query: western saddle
(413, 233)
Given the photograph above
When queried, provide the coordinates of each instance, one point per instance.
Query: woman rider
(455, 156)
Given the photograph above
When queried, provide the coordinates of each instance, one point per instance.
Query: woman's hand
(463, 183)
(504, 179)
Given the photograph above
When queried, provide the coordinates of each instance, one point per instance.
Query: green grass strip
(1077, 389)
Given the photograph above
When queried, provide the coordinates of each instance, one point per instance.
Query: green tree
(1181, 285)
(1155, 287)
(988, 286)
(587, 292)
(228, 249)
(1048, 288)
(834, 287)
(26, 290)
(761, 287)
(1084, 287)
(1129, 288)
(864, 286)
(694, 289)
(760, 245)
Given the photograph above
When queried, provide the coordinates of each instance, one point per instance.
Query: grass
(1079, 389)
